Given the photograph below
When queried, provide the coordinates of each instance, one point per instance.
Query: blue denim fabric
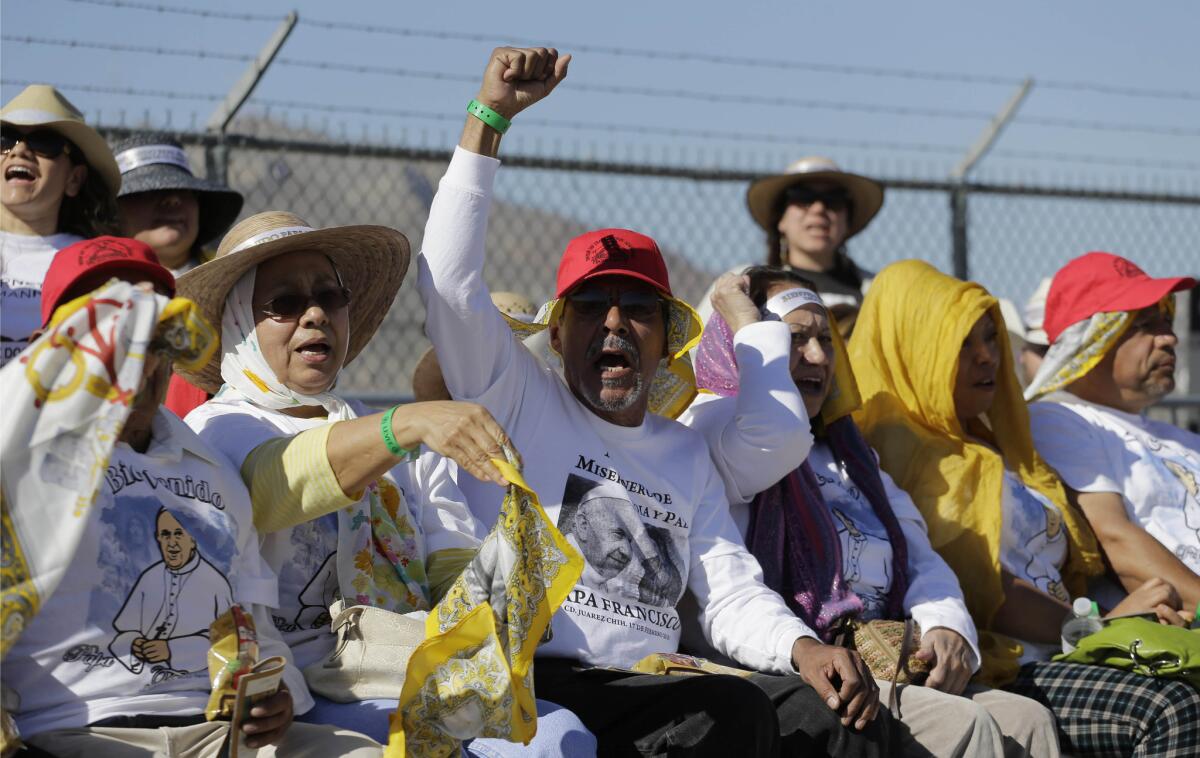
(560, 732)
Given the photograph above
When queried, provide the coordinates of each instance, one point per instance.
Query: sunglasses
(639, 305)
(291, 305)
(44, 142)
(834, 200)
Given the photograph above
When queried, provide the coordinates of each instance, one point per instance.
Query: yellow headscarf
(905, 357)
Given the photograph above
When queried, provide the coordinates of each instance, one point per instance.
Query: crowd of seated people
(831, 504)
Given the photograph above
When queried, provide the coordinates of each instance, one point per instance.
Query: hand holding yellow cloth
(473, 674)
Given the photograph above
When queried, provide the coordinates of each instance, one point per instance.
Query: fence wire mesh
(1017, 234)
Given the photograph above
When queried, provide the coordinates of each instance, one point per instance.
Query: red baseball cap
(608, 252)
(1102, 283)
(102, 255)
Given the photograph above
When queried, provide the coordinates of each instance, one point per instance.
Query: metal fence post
(216, 161)
(958, 193)
(958, 230)
(216, 155)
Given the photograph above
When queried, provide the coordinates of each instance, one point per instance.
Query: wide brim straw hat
(866, 195)
(43, 105)
(371, 261)
(150, 162)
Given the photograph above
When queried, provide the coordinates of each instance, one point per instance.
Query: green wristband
(389, 437)
(488, 116)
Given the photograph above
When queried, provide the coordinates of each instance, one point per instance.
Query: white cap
(1035, 314)
(1082, 607)
(1012, 319)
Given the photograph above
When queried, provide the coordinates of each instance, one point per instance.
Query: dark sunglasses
(294, 304)
(44, 142)
(640, 305)
(834, 200)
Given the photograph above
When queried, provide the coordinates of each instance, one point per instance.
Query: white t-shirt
(305, 556)
(756, 438)
(866, 549)
(24, 260)
(169, 546)
(1152, 465)
(1033, 547)
(644, 503)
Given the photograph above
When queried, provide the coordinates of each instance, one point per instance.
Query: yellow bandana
(473, 674)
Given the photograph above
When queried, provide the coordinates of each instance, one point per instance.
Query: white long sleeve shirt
(644, 503)
(305, 556)
(755, 439)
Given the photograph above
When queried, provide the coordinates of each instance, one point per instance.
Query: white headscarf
(375, 545)
(244, 368)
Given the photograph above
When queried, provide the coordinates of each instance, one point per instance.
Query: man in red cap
(1112, 356)
(595, 435)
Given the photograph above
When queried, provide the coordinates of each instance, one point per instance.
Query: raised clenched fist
(517, 77)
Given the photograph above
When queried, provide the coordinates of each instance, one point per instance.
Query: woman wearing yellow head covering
(943, 408)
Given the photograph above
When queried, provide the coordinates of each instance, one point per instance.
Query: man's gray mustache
(615, 342)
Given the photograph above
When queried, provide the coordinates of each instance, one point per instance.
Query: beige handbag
(889, 648)
(371, 654)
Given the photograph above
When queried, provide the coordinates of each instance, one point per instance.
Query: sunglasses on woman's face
(44, 142)
(834, 200)
(293, 305)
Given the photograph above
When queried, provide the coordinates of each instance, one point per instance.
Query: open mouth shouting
(315, 351)
(810, 383)
(615, 359)
(20, 173)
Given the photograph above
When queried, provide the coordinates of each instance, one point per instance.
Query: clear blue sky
(1146, 45)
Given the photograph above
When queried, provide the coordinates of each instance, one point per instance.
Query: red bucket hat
(102, 255)
(607, 252)
(1102, 283)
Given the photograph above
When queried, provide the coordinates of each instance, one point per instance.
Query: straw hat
(371, 260)
(42, 105)
(865, 194)
(153, 161)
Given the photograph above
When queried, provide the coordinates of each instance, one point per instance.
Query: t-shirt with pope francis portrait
(169, 545)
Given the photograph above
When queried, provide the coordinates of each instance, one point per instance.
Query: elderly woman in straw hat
(60, 181)
(348, 511)
(809, 212)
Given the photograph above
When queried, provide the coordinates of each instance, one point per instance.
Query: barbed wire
(128, 91)
(229, 15)
(625, 128)
(641, 129)
(127, 48)
(713, 134)
(673, 55)
(776, 101)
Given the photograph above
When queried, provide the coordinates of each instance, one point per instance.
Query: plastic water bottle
(1085, 619)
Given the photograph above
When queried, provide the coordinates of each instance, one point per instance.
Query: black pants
(703, 715)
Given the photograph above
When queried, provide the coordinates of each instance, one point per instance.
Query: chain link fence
(1016, 234)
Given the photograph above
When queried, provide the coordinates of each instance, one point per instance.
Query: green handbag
(1143, 647)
